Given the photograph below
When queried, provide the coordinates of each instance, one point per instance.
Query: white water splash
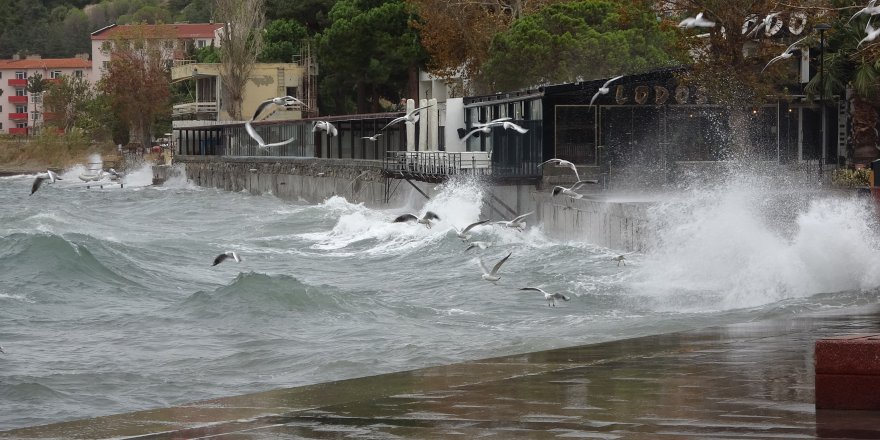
(742, 245)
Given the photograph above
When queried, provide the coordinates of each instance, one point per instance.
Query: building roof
(46, 63)
(178, 30)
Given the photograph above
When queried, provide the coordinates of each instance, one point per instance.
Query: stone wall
(616, 225)
(592, 219)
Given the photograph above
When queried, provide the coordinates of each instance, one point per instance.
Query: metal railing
(190, 108)
(436, 163)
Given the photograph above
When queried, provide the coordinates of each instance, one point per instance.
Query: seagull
(766, 23)
(228, 254)
(425, 220)
(260, 142)
(1, 350)
(516, 223)
(872, 33)
(619, 259)
(373, 138)
(493, 274)
(502, 122)
(570, 190)
(785, 55)
(462, 234)
(479, 244)
(282, 101)
(550, 297)
(604, 89)
(870, 9)
(411, 116)
(49, 174)
(562, 163)
(697, 21)
(326, 126)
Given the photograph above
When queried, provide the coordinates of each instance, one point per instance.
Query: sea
(109, 302)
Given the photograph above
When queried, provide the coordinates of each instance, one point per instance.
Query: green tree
(281, 41)
(314, 14)
(371, 49)
(137, 82)
(567, 42)
(68, 99)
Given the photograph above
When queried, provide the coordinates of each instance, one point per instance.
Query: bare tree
(241, 40)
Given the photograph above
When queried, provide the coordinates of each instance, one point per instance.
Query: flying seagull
(570, 191)
(766, 23)
(516, 223)
(462, 233)
(228, 254)
(411, 116)
(604, 89)
(1, 350)
(479, 244)
(49, 174)
(493, 274)
(260, 142)
(501, 122)
(870, 9)
(872, 33)
(425, 220)
(373, 138)
(562, 163)
(281, 101)
(697, 21)
(789, 51)
(550, 297)
(325, 126)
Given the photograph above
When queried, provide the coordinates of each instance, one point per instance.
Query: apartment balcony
(13, 99)
(208, 109)
(15, 82)
(18, 116)
(19, 131)
(187, 69)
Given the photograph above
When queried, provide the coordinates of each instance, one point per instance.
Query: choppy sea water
(109, 302)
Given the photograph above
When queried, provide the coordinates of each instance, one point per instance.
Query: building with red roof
(21, 112)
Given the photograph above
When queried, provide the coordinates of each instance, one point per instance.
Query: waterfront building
(21, 112)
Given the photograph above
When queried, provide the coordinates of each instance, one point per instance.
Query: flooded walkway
(744, 381)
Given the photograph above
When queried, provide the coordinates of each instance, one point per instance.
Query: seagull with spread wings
(492, 275)
(463, 233)
(411, 116)
(570, 191)
(38, 181)
(697, 21)
(425, 219)
(228, 254)
(765, 24)
(517, 223)
(562, 163)
(550, 297)
(789, 52)
(604, 89)
(326, 127)
(501, 122)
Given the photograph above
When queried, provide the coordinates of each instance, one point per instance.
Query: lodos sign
(658, 95)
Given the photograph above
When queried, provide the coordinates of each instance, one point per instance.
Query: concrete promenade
(744, 381)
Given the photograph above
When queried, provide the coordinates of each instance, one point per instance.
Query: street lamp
(822, 27)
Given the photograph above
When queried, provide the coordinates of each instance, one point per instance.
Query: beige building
(267, 81)
(21, 112)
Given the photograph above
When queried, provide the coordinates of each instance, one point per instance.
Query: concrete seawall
(592, 219)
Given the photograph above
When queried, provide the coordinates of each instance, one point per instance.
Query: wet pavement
(745, 381)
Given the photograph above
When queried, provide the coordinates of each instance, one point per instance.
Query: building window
(20, 75)
(1, 126)
(55, 74)
(105, 64)
(37, 98)
(200, 43)
(21, 125)
(20, 92)
(21, 109)
(78, 73)
(35, 114)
